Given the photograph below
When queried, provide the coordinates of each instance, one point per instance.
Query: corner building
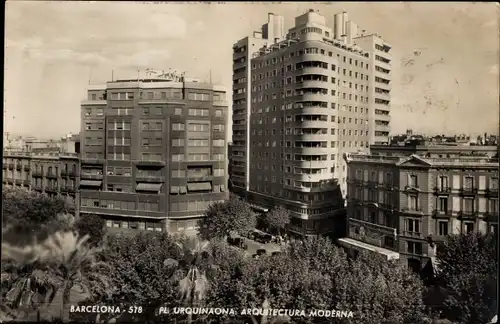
(400, 205)
(153, 153)
(308, 102)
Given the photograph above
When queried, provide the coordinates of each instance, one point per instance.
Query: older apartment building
(153, 152)
(52, 173)
(400, 206)
(303, 100)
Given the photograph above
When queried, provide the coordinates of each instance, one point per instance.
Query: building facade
(55, 174)
(154, 152)
(305, 100)
(400, 205)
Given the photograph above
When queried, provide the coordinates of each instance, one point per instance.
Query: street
(253, 246)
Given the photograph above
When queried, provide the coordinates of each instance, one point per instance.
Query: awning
(90, 183)
(350, 243)
(182, 189)
(199, 186)
(149, 187)
(174, 190)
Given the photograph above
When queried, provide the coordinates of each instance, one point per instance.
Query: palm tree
(196, 262)
(68, 261)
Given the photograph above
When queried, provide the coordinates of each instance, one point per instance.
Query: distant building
(401, 201)
(55, 173)
(154, 152)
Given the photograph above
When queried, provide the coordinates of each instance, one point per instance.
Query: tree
(316, 274)
(28, 212)
(278, 218)
(222, 218)
(468, 273)
(68, 261)
(196, 262)
(92, 225)
(143, 279)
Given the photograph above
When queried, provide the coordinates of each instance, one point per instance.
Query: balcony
(441, 213)
(491, 193)
(26, 168)
(468, 191)
(317, 84)
(412, 234)
(311, 96)
(37, 187)
(412, 188)
(4, 166)
(52, 189)
(491, 216)
(37, 174)
(10, 166)
(382, 117)
(388, 186)
(18, 182)
(93, 161)
(467, 214)
(150, 163)
(442, 191)
(72, 174)
(19, 167)
(371, 184)
(90, 176)
(67, 189)
(51, 175)
(413, 211)
(149, 179)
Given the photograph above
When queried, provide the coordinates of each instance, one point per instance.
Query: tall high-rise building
(299, 103)
(243, 50)
(153, 152)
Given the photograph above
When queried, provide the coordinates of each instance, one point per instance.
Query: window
(145, 111)
(412, 181)
(468, 227)
(414, 247)
(218, 127)
(178, 173)
(388, 179)
(178, 126)
(177, 157)
(178, 142)
(412, 225)
(178, 111)
(218, 143)
(198, 112)
(218, 113)
(413, 202)
(443, 182)
(468, 205)
(468, 182)
(443, 228)
(443, 204)
(494, 183)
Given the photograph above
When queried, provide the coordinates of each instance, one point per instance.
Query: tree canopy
(222, 218)
(468, 272)
(92, 225)
(26, 213)
(278, 218)
(317, 275)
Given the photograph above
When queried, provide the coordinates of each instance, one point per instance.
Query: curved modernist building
(306, 102)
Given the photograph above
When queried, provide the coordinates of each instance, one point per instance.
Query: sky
(445, 55)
